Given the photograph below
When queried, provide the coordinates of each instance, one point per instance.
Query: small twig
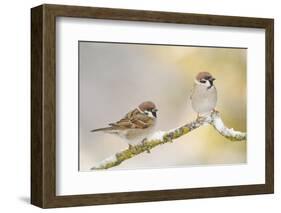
(162, 137)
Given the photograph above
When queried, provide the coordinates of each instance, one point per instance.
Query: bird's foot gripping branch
(162, 137)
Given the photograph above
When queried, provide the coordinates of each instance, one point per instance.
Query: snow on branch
(162, 137)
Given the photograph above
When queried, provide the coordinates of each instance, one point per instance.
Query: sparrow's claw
(215, 111)
(143, 143)
(200, 118)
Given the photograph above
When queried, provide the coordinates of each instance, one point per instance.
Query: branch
(162, 137)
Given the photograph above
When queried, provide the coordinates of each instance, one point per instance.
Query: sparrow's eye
(203, 81)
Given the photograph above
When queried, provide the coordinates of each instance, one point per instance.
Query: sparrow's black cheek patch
(202, 81)
(211, 85)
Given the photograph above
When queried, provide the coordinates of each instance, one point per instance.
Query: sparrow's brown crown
(203, 75)
(147, 105)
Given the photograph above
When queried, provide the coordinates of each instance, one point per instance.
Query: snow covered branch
(162, 137)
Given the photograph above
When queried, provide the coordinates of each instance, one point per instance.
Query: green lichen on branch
(145, 146)
(160, 138)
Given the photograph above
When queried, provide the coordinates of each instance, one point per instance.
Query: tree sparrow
(136, 125)
(204, 94)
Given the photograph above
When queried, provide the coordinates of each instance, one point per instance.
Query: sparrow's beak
(154, 113)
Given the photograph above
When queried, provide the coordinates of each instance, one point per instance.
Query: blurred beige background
(115, 78)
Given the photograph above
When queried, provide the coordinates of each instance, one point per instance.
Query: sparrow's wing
(142, 121)
(133, 120)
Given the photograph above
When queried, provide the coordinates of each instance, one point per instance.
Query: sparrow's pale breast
(135, 136)
(203, 100)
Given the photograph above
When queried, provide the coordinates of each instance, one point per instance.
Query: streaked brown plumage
(135, 125)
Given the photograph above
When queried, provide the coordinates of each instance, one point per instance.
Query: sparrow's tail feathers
(102, 129)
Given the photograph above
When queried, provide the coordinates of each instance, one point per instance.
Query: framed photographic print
(135, 106)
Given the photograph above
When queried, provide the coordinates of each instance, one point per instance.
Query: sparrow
(136, 125)
(204, 94)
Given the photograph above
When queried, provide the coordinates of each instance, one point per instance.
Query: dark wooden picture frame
(43, 105)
